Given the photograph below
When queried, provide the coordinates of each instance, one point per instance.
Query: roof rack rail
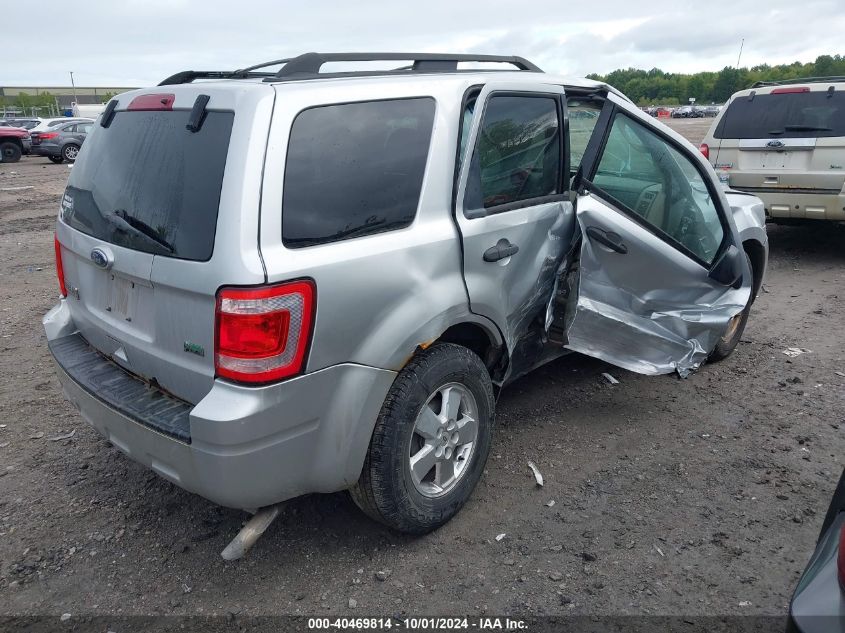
(799, 80)
(307, 66)
(187, 76)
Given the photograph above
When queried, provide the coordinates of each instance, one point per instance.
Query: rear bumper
(801, 205)
(43, 149)
(249, 446)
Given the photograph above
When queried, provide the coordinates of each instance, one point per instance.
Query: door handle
(612, 240)
(502, 249)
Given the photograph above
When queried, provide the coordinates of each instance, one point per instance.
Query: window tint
(147, 183)
(788, 115)
(583, 116)
(517, 156)
(661, 186)
(355, 169)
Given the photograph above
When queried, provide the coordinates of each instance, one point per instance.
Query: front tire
(430, 443)
(9, 152)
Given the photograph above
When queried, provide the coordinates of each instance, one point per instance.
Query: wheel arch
(757, 254)
(481, 338)
(14, 140)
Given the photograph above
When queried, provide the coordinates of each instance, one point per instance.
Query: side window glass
(69, 128)
(355, 169)
(660, 185)
(517, 156)
(583, 116)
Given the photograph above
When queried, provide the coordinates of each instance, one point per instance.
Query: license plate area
(122, 298)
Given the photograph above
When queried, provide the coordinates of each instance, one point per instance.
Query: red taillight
(840, 559)
(790, 90)
(262, 334)
(162, 101)
(60, 271)
(47, 135)
(704, 148)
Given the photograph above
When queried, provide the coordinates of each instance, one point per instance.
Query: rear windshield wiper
(127, 223)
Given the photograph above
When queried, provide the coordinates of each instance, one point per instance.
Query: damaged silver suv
(279, 282)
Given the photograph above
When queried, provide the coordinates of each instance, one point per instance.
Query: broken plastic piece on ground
(610, 379)
(550, 503)
(538, 477)
(792, 352)
(499, 537)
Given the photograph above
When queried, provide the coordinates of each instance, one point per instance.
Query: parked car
(276, 284)
(785, 143)
(818, 605)
(687, 112)
(25, 123)
(47, 124)
(62, 142)
(712, 110)
(14, 142)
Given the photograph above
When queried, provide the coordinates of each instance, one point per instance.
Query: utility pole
(741, 44)
(73, 85)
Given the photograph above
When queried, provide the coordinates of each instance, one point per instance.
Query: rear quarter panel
(381, 296)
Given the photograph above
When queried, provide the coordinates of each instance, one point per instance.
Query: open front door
(661, 271)
(513, 209)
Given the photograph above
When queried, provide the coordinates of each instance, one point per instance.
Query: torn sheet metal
(652, 310)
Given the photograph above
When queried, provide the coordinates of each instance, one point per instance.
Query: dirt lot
(696, 496)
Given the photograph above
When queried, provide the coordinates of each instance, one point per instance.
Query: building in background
(51, 100)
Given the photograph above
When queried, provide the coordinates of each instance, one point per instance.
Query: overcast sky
(139, 42)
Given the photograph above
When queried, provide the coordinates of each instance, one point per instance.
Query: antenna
(741, 44)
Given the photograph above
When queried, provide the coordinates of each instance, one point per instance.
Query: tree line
(655, 87)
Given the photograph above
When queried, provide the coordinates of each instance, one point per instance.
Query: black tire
(70, 151)
(385, 490)
(9, 152)
(727, 344)
(57, 159)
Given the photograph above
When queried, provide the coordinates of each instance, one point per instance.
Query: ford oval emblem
(101, 258)
(775, 143)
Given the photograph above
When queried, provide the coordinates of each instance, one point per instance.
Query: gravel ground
(696, 496)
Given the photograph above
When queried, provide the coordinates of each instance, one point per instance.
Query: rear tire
(736, 326)
(9, 152)
(70, 152)
(438, 402)
(57, 159)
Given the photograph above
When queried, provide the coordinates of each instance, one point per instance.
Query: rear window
(355, 169)
(788, 115)
(149, 184)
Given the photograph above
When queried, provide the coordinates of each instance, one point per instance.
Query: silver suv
(785, 142)
(284, 282)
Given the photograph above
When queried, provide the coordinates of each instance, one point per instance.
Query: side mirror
(728, 269)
